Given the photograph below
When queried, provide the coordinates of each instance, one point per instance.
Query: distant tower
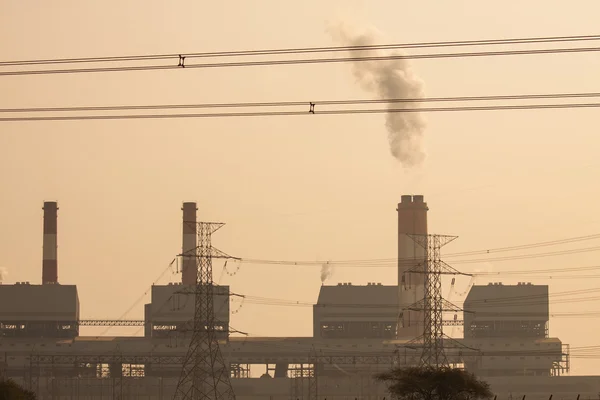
(412, 220)
(189, 250)
(50, 246)
(205, 374)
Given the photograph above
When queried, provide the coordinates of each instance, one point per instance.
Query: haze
(291, 188)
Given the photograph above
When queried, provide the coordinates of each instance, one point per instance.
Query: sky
(291, 188)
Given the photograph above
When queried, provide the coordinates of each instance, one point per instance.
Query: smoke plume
(326, 272)
(388, 79)
(3, 274)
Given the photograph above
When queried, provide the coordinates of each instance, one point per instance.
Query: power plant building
(172, 309)
(347, 311)
(501, 311)
(357, 330)
(39, 311)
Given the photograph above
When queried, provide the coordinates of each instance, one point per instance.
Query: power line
(538, 271)
(303, 103)
(527, 246)
(303, 113)
(529, 299)
(304, 50)
(525, 300)
(303, 61)
(456, 254)
(394, 263)
(169, 267)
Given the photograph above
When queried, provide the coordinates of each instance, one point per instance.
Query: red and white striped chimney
(50, 247)
(189, 266)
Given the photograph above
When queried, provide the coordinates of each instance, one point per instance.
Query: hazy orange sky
(298, 188)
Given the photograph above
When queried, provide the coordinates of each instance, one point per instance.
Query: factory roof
(508, 293)
(348, 294)
(507, 301)
(23, 301)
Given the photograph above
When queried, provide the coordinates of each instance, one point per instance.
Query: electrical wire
(169, 267)
(304, 113)
(304, 50)
(540, 271)
(526, 96)
(302, 61)
(395, 264)
(526, 246)
(394, 261)
(529, 299)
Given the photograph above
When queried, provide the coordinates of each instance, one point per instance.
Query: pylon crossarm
(449, 307)
(216, 253)
(446, 269)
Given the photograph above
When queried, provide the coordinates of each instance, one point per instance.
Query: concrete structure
(50, 248)
(503, 311)
(189, 267)
(172, 309)
(39, 311)
(514, 318)
(412, 220)
(346, 311)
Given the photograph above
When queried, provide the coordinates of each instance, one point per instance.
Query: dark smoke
(389, 79)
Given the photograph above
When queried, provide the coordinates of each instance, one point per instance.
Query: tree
(429, 383)
(10, 390)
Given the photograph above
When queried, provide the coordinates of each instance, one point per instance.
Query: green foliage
(428, 383)
(9, 390)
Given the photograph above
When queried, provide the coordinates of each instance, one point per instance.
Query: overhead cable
(302, 113)
(314, 103)
(179, 59)
(304, 50)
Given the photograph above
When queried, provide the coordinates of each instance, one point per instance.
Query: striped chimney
(50, 247)
(189, 268)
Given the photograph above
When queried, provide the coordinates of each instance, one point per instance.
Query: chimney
(412, 220)
(50, 246)
(189, 267)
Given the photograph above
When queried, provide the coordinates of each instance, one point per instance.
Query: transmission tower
(433, 306)
(205, 375)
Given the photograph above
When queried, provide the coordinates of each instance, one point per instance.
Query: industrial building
(357, 330)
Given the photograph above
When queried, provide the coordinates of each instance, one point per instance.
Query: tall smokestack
(189, 261)
(50, 247)
(412, 220)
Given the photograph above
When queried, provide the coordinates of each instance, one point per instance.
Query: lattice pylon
(205, 375)
(433, 340)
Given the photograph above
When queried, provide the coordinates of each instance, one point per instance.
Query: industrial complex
(357, 330)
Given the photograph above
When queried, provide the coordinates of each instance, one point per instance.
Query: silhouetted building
(507, 311)
(172, 310)
(39, 311)
(346, 311)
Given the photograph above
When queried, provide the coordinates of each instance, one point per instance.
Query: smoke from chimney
(389, 79)
(326, 272)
